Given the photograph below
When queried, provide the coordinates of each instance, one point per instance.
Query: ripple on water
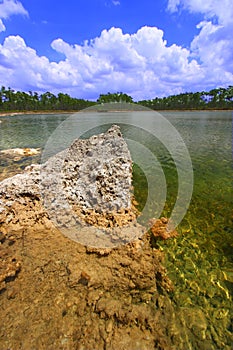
(200, 260)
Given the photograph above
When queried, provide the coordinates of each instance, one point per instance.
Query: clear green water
(200, 260)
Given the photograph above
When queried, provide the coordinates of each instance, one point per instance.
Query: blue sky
(144, 48)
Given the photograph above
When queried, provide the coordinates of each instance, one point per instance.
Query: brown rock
(159, 229)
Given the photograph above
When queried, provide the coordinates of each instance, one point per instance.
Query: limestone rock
(17, 153)
(84, 190)
(97, 172)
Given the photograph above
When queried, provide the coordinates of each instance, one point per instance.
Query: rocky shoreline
(85, 187)
(110, 293)
(57, 294)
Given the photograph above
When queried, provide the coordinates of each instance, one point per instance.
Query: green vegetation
(221, 98)
(10, 100)
(115, 97)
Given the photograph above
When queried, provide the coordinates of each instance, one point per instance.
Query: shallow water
(200, 260)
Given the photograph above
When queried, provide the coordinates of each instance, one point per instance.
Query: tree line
(220, 98)
(10, 100)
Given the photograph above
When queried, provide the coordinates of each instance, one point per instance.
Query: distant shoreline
(9, 113)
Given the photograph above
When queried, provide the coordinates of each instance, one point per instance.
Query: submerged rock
(17, 153)
(159, 229)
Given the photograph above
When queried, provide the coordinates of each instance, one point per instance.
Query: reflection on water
(28, 130)
(200, 260)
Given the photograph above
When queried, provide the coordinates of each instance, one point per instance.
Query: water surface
(200, 260)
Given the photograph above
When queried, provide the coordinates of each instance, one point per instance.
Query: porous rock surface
(97, 172)
(59, 294)
(85, 187)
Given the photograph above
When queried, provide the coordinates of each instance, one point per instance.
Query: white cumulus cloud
(141, 64)
(213, 46)
(9, 8)
(223, 9)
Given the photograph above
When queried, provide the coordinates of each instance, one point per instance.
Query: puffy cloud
(140, 64)
(213, 46)
(9, 8)
(223, 9)
(22, 68)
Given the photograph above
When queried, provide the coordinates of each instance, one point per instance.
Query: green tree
(114, 97)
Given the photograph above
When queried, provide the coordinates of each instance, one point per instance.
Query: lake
(200, 260)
